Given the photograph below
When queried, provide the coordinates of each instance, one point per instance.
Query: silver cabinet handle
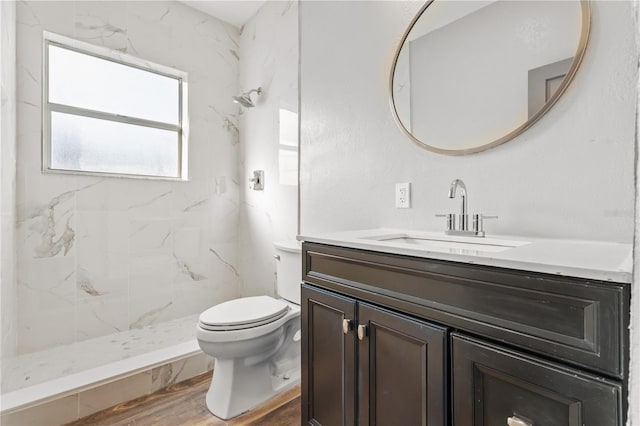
(362, 331)
(346, 325)
(516, 421)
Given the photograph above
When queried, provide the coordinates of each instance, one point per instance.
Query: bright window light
(110, 113)
(288, 148)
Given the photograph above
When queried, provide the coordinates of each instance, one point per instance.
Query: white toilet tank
(289, 270)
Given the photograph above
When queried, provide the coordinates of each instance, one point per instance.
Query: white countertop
(575, 258)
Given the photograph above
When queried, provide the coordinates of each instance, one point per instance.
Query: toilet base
(249, 371)
(236, 389)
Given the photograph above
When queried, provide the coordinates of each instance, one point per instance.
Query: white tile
(145, 311)
(151, 29)
(178, 371)
(46, 226)
(187, 242)
(191, 270)
(102, 259)
(46, 295)
(107, 231)
(147, 198)
(150, 236)
(48, 326)
(102, 23)
(151, 274)
(53, 413)
(53, 276)
(198, 296)
(133, 242)
(99, 317)
(114, 393)
(98, 358)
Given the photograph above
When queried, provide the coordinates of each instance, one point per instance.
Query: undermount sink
(449, 243)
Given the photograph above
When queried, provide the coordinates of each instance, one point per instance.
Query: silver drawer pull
(516, 421)
(346, 325)
(362, 331)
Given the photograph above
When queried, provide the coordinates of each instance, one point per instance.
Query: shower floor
(42, 376)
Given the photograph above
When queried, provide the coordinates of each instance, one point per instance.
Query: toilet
(255, 341)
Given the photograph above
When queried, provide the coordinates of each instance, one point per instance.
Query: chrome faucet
(464, 217)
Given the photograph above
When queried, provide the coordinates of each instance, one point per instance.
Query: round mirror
(470, 75)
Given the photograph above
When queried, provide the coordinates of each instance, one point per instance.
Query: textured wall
(569, 176)
(269, 58)
(634, 382)
(100, 255)
(7, 176)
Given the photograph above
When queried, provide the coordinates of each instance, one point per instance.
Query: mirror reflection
(470, 75)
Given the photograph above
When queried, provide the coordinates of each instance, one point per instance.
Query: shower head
(245, 98)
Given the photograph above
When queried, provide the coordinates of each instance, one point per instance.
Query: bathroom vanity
(525, 335)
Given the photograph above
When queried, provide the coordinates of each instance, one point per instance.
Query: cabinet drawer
(580, 321)
(492, 385)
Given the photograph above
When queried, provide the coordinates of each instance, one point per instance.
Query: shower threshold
(40, 377)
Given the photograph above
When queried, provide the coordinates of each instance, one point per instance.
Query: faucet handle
(478, 223)
(451, 220)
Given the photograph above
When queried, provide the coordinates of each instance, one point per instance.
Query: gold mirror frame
(582, 44)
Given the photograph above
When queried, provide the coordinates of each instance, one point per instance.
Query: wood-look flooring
(184, 404)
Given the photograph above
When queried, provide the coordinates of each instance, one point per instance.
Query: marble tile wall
(73, 407)
(98, 358)
(58, 412)
(7, 177)
(269, 58)
(101, 255)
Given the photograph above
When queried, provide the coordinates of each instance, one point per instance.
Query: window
(105, 112)
(288, 148)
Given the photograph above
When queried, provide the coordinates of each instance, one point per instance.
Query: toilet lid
(243, 313)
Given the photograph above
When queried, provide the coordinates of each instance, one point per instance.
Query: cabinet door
(493, 386)
(328, 358)
(402, 364)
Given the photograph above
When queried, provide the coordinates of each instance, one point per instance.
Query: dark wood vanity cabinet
(363, 364)
(328, 359)
(495, 386)
(446, 343)
(401, 369)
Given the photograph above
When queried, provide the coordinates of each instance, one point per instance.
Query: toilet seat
(243, 313)
(252, 332)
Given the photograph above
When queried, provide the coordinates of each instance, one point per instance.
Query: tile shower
(110, 268)
(97, 256)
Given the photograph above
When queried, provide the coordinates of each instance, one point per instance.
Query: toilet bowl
(255, 342)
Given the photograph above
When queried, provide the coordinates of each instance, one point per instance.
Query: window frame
(52, 39)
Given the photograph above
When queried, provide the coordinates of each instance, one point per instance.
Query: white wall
(269, 59)
(7, 176)
(139, 251)
(569, 176)
(634, 368)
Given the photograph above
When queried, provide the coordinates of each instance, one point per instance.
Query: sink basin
(449, 243)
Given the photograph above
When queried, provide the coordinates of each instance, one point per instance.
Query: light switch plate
(257, 181)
